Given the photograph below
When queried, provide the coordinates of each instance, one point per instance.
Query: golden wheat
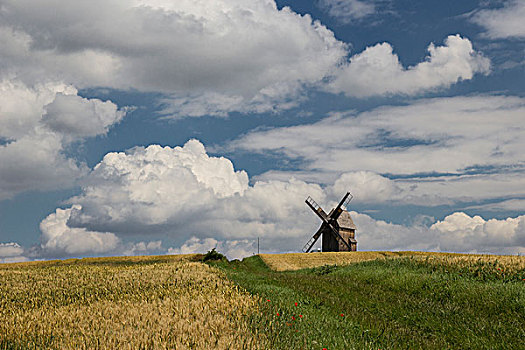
(123, 303)
(297, 261)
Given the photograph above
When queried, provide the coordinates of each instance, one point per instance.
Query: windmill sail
(339, 209)
(308, 246)
(316, 208)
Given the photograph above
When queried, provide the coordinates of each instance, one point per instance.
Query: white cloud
(273, 99)
(22, 107)
(142, 248)
(12, 253)
(442, 135)
(457, 232)
(184, 192)
(231, 49)
(375, 234)
(504, 22)
(38, 123)
(425, 190)
(212, 57)
(195, 245)
(36, 162)
(9, 250)
(439, 151)
(15, 259)
(366, 186)
(202, 202)
(377, 70)
(347, 11)
(58, 238)
(79, 117)
(460, 232)
(504, 205)
(236, 249)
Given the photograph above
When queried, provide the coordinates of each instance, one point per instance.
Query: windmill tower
(337, 229)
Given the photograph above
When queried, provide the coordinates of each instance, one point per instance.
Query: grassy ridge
(388, 304)
(510, 264)
(123, 303)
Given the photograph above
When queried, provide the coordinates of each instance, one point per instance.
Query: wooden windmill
(337, 229)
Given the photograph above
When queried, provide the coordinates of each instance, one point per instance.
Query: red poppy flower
(295, 304)
(301, 316)
(293, 318)
(278, 314)
(342, 315)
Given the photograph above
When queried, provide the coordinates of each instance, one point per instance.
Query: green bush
(213, 255)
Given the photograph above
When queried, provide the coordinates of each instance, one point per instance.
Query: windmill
(337, 229)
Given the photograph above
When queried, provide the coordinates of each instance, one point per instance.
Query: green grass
(386, 304)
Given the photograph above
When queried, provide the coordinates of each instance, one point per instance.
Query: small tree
(213, 255)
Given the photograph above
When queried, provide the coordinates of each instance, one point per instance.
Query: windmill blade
(336, 234)
(314, 239)
(338, 210)
(317, 209)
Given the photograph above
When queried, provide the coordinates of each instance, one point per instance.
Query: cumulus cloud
(503, 22)
(22, 107)
(346, 11)
(38, 122)
(16, 259)
(367, 186)
(180, 192)
(457, 232)
(372, 234)
(142, 248)
(460, 232)
(202, 202)
(10, 250)
(236, 249)
(79, 117)
(36, 162)
(212, 57)
(184, 192)
(11, 253)
(377, 70)
(58, 238)
(230, 49)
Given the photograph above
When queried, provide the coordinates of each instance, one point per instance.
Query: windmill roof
(345, 220)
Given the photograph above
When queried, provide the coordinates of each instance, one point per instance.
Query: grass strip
(386, 304)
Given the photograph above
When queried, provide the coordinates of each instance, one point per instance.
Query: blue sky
(157, 126)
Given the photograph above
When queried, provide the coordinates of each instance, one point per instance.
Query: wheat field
(297, 261)
(175, 302)
(123, 303)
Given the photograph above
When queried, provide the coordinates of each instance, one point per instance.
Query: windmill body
(346, 227)
(338, 228)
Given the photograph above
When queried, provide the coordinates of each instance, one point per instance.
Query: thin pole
(257, 245)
